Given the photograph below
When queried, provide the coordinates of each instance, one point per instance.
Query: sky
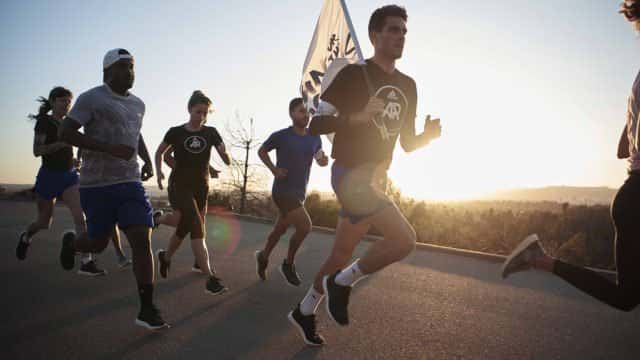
(529, 94)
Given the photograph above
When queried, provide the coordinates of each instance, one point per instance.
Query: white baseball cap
(112, 56)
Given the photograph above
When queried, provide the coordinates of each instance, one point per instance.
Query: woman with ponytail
(57, 177)
(624, 293)
(188, 188)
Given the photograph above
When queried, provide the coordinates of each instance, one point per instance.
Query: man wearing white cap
(111, 190)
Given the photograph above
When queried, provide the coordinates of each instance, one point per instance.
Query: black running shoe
(68, 251)
(163, 264)
(23, 245)
(149, 317)
(196, 267)
(521, 258)
(337, 299)
(289, 273)
(261, 265)
(91, 269)
(215, 286)
(156, 215)
(306, 326)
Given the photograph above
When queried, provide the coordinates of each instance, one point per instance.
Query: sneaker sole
(326, 301)
(148, 326)
(300, 330)
(517, 251)
(86, 273)
(256, 255)
(285, 278)
(62, 257)
(158, 257)
(22, 234)
(196, 270)
(207, 291)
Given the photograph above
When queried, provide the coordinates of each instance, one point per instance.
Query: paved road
(430, 306)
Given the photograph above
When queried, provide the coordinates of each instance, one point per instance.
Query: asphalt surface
(430, 306)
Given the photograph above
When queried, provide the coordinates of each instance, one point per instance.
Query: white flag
(334, 45)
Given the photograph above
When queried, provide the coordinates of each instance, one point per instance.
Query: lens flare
(223, 231)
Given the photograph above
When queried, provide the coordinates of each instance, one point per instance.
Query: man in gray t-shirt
(113, 119)
(111, 190)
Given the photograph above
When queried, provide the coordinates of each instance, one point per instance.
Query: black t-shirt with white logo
(61, 159)
(192, 151)
(375, 141)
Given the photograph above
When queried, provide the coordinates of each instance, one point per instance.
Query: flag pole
(343, 3)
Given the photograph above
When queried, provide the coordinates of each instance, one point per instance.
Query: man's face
(121, 73)
(390, 41)
(300, 116)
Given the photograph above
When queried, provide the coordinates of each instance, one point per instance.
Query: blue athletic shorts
(52, 183)
(360, 192)
(125, 204)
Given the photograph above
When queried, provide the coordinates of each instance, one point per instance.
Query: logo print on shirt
(390, 121)
(195, 144)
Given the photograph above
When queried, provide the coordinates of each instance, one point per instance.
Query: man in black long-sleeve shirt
(373, 105)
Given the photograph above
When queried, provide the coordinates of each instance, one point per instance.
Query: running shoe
(520, 258)
(337, 300)
(289, 273)
(23, 246)
(150, 318)
(261, 265)
(91, 269)
(306, 325)
(163, 264)
(68, 251)
(214, 286)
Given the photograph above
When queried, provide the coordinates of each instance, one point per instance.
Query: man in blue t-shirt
(295, 150)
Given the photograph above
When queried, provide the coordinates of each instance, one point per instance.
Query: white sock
(86, 257)
(349, 275)
(310, 303)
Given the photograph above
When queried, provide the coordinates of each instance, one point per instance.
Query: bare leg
(348, 235)
(117, 243)
(45, 216)
(199, 248)
(169, 219)
(198, 243)
(399, 239)
(139, 237)
(71, 197)
(174, 244)
(278, 230)
(95, 246)
(302, 223)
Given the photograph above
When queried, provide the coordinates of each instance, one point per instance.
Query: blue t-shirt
(295, 153)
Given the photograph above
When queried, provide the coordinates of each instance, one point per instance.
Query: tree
(244, 178)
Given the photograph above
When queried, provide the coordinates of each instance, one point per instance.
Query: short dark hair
(630, 9)
(198, 97)
(379, 16)
(294, 103)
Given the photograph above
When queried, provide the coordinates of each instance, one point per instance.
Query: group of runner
(367, 107)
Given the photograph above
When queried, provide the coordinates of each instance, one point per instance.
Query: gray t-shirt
(113, 119)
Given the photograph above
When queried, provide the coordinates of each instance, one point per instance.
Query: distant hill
(13, 188)
(570, 194)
